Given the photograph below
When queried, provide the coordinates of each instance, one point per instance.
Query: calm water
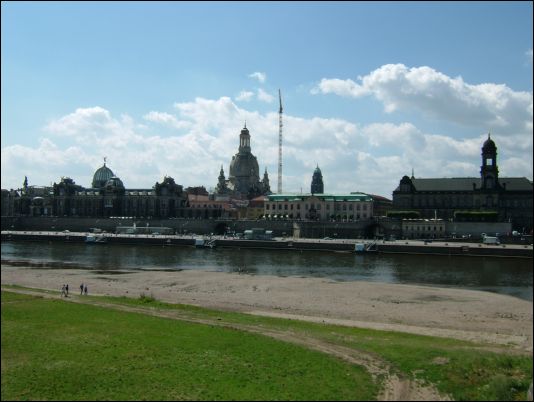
(509, 276)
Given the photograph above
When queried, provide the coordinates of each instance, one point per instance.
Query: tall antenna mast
(280, 144)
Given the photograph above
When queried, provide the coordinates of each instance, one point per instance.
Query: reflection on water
(501, 275)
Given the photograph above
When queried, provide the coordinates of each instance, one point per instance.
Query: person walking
(85, 289)
(67, 290)
(81, 289)
(62, 290)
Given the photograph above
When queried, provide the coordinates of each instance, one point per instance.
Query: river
(511, 276)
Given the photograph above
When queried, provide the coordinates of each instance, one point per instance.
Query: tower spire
(280, 143)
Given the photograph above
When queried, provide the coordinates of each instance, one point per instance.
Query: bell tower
(489, 173)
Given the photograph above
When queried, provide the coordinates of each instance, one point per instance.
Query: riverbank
(338, 245)
(445, 312)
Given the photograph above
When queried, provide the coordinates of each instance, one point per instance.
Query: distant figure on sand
(85, 289)
(81, 289)
(62, 290)
(67, 290)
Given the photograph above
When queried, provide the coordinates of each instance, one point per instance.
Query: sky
(371, 91)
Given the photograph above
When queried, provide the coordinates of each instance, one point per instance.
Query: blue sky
(370, 90)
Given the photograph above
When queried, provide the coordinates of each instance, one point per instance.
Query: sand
(445, 312)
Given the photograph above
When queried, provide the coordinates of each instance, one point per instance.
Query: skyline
(370, 90)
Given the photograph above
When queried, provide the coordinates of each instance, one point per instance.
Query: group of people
(83, 289)
(65, 290)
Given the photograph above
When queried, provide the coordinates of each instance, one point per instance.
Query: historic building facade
(243, 179)
(339, 207)
(106, 198)
(509, 198)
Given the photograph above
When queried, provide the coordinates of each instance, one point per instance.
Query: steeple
(317, 186)
(244, 140)
(489, 172)
(221, 188)
(265, 182)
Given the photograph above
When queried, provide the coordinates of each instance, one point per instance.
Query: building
(423, 228)
(317, 186)
(323, 207)
(505, 198)
(107, 197)
(243, 180)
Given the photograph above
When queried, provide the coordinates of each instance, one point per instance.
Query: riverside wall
(308, 229)
(339, 245)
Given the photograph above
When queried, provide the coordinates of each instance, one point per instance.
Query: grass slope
(64, 351)
(55, 350)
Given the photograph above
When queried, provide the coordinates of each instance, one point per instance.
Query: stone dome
(101, 176)
(114, 182)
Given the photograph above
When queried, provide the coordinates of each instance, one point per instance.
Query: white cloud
(370, 158)
(425, 90)
(261, 77)
(166, 118)
(245, 96)
(528, 53)
(264, 96)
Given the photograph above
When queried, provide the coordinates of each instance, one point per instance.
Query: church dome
(244, 165)
(101, 176)
(114, 182)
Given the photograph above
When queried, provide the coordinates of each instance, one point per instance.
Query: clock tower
(489, 173)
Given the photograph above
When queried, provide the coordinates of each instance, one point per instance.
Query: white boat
(92, 239)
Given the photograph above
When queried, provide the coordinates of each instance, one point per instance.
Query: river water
(511, 276)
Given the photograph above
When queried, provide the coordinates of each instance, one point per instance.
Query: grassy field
(66, 351)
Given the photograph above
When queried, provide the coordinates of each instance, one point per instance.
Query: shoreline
(360, 246)
(427, 310)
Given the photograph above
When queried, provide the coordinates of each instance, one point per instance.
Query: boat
(92, 239)
(202, 243)
(366, 247)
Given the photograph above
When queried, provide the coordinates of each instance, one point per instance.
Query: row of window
(423, 228)
(317, 207)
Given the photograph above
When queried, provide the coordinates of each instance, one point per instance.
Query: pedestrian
(81, 289)
(85, 289)
(67, 290)
(62, 290)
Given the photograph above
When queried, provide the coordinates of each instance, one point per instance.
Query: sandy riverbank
(457, 313)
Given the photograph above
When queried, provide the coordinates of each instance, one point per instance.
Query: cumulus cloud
(245, 96)
(166, 118)
(369, 158)
(425, 90)
(261, 77)
(264, 96)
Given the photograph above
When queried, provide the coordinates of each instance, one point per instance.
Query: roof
(466, 184)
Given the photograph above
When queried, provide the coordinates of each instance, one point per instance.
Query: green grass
(57, 350)
(462, 369)
(64, 351)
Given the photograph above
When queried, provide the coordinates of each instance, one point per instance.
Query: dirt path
(395, 388)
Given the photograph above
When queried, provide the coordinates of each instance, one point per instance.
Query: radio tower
(280, 144)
